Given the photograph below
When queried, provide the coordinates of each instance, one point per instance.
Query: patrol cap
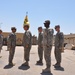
(0, 30)
(47, 21)
(57, 26)
(13, 28)
(39, 28)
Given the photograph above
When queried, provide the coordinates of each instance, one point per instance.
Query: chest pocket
(28, 35)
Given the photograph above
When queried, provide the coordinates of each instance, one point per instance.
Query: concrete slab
(68, 63)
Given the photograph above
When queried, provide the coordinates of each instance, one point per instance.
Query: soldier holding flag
(27, 37)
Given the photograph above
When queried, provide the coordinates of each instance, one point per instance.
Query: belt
(48, 45)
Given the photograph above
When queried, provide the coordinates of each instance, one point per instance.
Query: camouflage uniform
(1, 41)
(40, 46)
(27, 37)
(59, 44)
(11, 46)
(47, 43)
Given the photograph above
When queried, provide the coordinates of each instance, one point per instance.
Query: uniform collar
(58, 32)
(26, 31)
(13, 33)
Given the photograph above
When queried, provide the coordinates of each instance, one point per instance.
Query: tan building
(19, 37)
(34, 40)
(70, 38)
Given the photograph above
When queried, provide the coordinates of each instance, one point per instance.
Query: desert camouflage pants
(57, 55)
(47, 55)
(0, 47)
(27, 53)
(11, 54)
(40, 52)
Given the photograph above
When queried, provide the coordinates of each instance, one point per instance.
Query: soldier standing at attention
(40, 46)
(47, 45)
(11, 45)
(27, 38)
(59, 46)
(1, 41)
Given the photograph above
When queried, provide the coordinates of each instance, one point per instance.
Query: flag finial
(26, 13)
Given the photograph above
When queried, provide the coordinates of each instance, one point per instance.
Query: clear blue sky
(62, 12)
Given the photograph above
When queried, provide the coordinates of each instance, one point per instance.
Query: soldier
(1, 41)
(59, 45)
(47, 43)
(27, 38)
(40, 46)
(11, 45)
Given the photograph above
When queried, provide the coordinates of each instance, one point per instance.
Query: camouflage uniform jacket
(27, 39)
(12, 40)
(59, 40)
(48, 37)
(40, 39)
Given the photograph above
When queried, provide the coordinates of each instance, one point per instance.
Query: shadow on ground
(23, 67)
(46, 74)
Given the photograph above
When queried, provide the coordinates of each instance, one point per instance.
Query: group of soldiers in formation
(45, 42)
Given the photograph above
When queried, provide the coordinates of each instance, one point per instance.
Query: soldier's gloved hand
(47, 45)
(62, 49)
(41, 45)
(9, 48)
(27, 46)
